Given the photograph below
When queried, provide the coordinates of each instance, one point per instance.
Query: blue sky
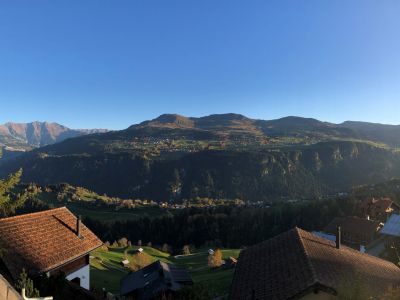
(109, 64)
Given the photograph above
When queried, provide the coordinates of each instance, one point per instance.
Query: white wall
(84, 274)
(7, 292)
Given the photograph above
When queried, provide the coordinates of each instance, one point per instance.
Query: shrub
(24, 282)
(215, 260)
(186, 250)
(123, 242)
(139, 261)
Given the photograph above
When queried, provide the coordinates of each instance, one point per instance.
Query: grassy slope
(83, 207)
(108, 273)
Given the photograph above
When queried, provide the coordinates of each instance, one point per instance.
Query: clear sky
(109, 64)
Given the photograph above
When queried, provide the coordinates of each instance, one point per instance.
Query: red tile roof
(43, 241)
(296, 262)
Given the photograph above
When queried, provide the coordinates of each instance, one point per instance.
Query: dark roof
(43, 241)
(378, 203)
(296, 261)
(353, 225)
(153, 279)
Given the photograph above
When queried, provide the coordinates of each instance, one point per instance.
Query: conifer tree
(10, 197)
(24, 282)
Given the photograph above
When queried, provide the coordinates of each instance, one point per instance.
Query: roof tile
(42, 241)
(293, 262)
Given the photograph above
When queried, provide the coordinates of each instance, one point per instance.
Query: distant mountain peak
(36, 134)
(168, 120)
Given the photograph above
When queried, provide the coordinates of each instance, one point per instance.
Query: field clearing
(112, 215)
(106, 271)
(86, 208)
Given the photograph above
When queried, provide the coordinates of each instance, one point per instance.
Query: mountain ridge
(25, 136)
(223, 155)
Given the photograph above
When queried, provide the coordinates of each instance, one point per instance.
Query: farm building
(125, 263)
(158, 278)
(299, 265)
(355, 231)
(47, 243)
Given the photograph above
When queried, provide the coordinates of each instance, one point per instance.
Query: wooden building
(299, 265)
(355, 231)
(47, 243)
(155, 280)
(378, 209)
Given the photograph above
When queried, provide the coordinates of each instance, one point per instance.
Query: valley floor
(106, 270)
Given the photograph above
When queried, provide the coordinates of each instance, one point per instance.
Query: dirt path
(189, 255)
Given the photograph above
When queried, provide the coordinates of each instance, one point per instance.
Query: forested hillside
(220, 156)
(306, 172)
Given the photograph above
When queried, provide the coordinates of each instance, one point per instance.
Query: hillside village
(52, 246)
(199, 150)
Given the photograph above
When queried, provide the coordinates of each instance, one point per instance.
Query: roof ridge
(34, 213)
(307, 255)
(351, 250)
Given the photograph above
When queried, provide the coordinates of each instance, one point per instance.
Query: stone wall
(7, 292)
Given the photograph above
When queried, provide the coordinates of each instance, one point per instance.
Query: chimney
(78, 227)
(338, 238)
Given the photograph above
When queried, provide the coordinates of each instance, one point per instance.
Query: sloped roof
(296, 261)
(378, 204)
(353, 225)
(42, 241)
(150, 277)
(392, 226)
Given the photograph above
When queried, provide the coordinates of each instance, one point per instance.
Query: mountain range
(285, 127)
(25, 136)
(231, 156)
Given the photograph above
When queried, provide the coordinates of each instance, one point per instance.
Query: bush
(215, 260)
(123, 242)
(186, 250)
(24, 282)
(139, 261)
(166, 248)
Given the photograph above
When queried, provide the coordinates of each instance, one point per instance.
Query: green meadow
(106, 270)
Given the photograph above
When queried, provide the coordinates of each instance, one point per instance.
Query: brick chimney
(338, 238)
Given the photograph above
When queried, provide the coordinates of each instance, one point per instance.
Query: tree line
(229, 227)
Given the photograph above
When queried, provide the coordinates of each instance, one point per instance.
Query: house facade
(48, 243)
